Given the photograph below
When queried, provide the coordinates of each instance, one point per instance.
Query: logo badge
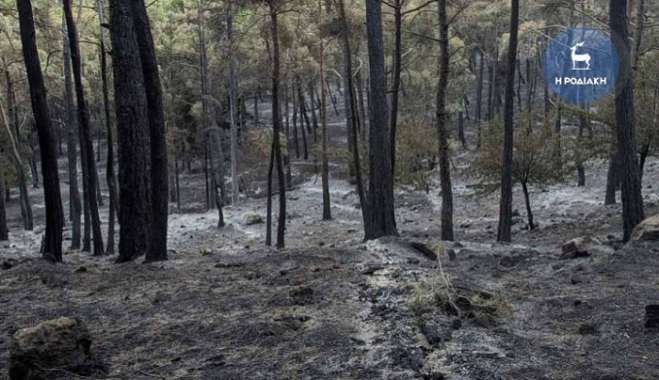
(581, 65)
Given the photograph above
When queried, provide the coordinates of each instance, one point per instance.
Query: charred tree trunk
(296, 142)
(235, 189)
(110, 176)
(352, 110)
(85, 129)
(527, 203)
(276, 124)
(24, 197)
(304, 118)
(327, 208)
(75, 204)
(479, 96)
(632, 199)
(395, 90)
(381, 214)
(506, 206)
(133, 128)
(158, 145)
(4, 232)
(52, 249)
(442, 120)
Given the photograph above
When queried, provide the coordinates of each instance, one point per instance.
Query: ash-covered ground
(330, 306)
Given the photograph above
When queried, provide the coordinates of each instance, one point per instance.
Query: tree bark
(75, 204)
(381, 214)
(395, 90)
(235, 189)
(133, 128)
(276, 123)
(84, 127)
(479, 96)
(54, 214)
(442, 130)
(24, 195)
(527, 203)
(158, 145)
(109, 173)
(4, 232)
(351, 109)
(327, 208)
(506, 206)
(632, 199)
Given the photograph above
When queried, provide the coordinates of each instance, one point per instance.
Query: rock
(652, 317)
(252, 219)
(648, 230)
(81, 269)
(579, 247)
(52, 349)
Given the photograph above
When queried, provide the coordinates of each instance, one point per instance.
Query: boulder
(579, 247)
(252, 219)
(648, 230)
(53, 349)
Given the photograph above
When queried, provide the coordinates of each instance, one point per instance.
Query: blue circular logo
(581, 65)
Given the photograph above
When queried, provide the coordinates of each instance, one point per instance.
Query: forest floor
(333, 307)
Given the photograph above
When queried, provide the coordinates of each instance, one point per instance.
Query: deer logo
(580, 58)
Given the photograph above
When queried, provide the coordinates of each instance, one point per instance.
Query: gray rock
(648, 230)
(52, 349)
(579, 247)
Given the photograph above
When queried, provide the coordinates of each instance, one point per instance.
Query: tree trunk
(75, 204)
(312, 109)
(327, 208)
(109, 173)
(24, 195)
(304, 117)
(612, 177)
(632, 199)
(581, 171)
(351, 108)
(85, 127)
(158, 145)
(479, 96)
(461, 130)
(296, 142)
(527, 203)
(235, 189)
(133, 128)
(506, 206)
(381, 215)
(395, 90)
(442, 130)
(4, 232)
(276, 124)
(54, 214)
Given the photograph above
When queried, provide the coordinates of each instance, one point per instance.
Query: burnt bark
(442, 128)
(52, 248)
(4, 232)
(506, 206)
(381, 216)
(158, 146)
(75, 204)
(133, 128)
(84, 130)
(632, 199)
